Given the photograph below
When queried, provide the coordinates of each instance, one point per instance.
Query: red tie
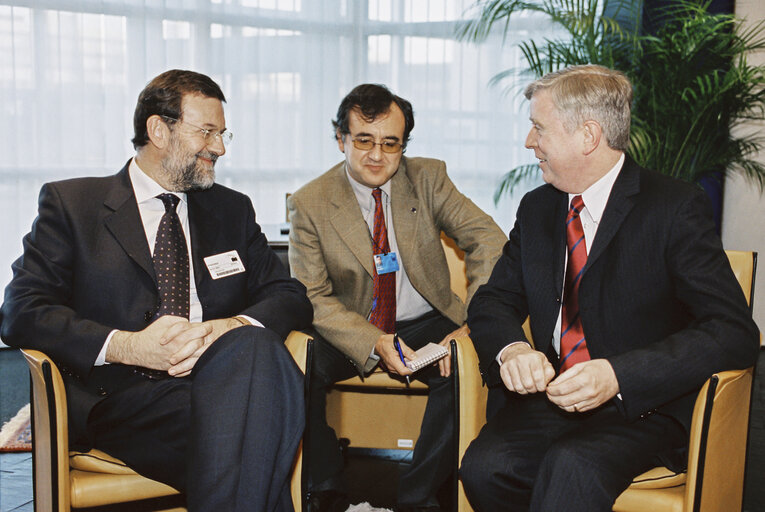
(383, 314)
(573, 346)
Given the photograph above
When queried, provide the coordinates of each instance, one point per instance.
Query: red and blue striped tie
(573, 346)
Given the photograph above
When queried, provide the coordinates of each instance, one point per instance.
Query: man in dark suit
(157, 295)
(632, 306)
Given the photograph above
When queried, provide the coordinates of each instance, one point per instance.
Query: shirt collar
(364, 193)
(146, 188)
(596, 195)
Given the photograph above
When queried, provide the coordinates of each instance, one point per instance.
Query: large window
(70, 73)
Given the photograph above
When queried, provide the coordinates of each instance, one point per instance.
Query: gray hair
(590, 92)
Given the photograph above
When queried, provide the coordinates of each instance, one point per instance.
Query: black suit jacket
(657, 297)
(87, 269)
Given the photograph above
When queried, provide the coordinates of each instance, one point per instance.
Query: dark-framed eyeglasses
(225, 136)
(367, 144)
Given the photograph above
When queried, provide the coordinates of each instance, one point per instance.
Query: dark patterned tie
(171, 261)
(383, 286)
(573, 346)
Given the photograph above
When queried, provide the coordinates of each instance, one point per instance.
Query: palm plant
(693, 86)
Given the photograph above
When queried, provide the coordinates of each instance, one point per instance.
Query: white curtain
(70, 73)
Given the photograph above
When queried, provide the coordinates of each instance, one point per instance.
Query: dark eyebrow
(391, 138)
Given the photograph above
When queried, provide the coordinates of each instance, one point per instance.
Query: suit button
(147, 316)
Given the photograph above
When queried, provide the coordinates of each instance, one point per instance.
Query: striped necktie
(573, 346)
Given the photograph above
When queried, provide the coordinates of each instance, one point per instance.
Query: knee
(568, 460)
(259, 341)
(476, 468)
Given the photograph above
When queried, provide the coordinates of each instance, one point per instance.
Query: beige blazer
(330, 249)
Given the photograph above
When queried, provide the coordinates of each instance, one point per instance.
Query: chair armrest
(297, 344)
(472, 396)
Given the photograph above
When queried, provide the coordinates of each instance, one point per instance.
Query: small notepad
(428, 354)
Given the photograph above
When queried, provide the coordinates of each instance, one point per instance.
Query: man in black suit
(627, 325)
(178, 368)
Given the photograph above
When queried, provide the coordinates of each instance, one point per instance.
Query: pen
(400, 354)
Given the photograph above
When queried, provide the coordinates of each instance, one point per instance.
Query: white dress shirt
(409, 303)
(151, 210)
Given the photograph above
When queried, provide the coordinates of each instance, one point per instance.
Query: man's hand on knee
(525, 370)
(159, 346)
(584, 386)
(183, 362)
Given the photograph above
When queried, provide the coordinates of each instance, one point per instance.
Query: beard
(187, 173)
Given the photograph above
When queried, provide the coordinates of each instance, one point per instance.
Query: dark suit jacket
(87, 269)
(657, 298)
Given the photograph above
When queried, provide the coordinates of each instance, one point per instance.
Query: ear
(593, 136)
(159, 132)
(340, 143)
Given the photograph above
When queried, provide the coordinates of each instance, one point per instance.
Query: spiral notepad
(428, 354)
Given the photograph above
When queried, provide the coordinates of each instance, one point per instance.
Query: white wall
(743, 223)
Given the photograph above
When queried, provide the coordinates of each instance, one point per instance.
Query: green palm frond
(522, 173)
(693, 85)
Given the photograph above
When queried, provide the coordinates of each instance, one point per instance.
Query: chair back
(744, 265)
(717, 448)
(49, 432)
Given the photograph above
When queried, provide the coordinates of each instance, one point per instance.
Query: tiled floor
(16, 482)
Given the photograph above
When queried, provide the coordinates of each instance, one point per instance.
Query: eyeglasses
(224, 135)
(366, 144)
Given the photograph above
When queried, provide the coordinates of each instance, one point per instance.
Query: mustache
(207, 155)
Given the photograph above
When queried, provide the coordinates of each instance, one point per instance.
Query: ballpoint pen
(400, 353)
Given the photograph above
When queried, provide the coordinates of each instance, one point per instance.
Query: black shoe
(330, 500)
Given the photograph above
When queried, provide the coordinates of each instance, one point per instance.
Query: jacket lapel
(124, 222)
(348, 220)
(619, 204)
(559, 243)
(404, 206)
(204, 235)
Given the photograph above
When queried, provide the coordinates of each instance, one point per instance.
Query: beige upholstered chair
(715, 477)
(65, 479)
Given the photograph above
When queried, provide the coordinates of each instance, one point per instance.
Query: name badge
(386, 263)
(224, 264)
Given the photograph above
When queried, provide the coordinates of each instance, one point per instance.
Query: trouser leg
(144, 423)
(433, 460)
(325, 460)
(533, 456)
(248, 416)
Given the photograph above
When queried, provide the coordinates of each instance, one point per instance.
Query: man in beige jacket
(365, 240)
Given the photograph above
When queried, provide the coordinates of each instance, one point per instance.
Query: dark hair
(163, 97)
(371, 100)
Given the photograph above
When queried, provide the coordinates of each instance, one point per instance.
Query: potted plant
(693, 86)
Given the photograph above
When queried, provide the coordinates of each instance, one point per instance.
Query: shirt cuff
(101, 359)
(250, 320)
(499, 356)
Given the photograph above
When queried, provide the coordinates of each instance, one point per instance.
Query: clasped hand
(582, 387)
(169, 343)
